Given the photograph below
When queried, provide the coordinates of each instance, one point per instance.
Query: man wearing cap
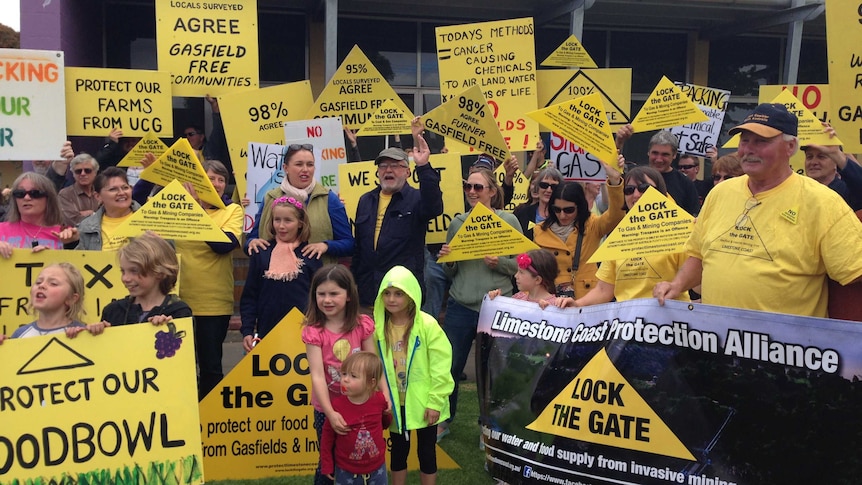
(391, 220)
(768, 239)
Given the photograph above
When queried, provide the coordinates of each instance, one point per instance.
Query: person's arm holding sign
(429, 179)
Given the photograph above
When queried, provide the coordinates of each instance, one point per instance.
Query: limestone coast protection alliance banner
(635, 393)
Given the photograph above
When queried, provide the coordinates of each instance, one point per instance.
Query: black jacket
(122, 312)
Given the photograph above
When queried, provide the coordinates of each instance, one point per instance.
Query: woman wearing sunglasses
(33, 217)
(573, 233)
(331, 236)
(473, 279)
(627, 279)
(536, 213)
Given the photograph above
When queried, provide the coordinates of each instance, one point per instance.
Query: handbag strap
(577, 259)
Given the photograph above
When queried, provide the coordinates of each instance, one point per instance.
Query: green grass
(462, 445)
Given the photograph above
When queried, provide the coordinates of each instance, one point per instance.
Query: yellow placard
(179, 162)
(150, 143)
(570, 54)
(843, 38)
(173, 214)
(732, 143)
(485, 233)
(815, 97)
(101, 409)
(101, 277)
(355, 92)
(614, 86)
(358, 178)
(467, 118)
(810, 130)
(582, 121)
(498, 57)
(521, 186)
(259, 422)
(209, 48)
(600, 394)
(259, 115)
(667, 107)
(655, 225)
(388, 120)
(133, 100)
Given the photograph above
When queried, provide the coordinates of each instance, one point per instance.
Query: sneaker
(441, 433)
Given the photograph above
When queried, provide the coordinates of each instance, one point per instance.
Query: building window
(742, 64)
(650, 55)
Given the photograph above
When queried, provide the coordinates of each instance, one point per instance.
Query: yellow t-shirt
(206, 278)
(109, 225)
(635, 277)
(385, 199)
(778, 258)
(399, 355)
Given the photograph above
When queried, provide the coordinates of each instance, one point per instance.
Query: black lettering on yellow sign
(85, 440)
(607, 410)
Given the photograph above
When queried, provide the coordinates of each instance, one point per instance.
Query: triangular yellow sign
(150, 143)
(732, 143)
(570, 54)
(355, 92)
(275, 376)
(172, 214)
(485, 233)
(467, 118)
(388, 120)
(810, 129)
(581, 121)
(667, 107)
(600, 406)
(179, 162)
(655, 225)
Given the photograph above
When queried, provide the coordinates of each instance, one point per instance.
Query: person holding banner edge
(611, 287)
(782, 232)
(573, 233)
(473, 279)
(331, 236)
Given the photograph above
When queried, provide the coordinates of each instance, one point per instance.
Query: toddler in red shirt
(360, 454)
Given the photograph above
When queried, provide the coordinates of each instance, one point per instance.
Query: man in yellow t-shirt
(768, 239)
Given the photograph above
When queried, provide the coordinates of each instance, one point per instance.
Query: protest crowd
(380, 311)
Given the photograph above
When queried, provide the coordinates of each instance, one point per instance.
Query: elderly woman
(78, 200)
(33, 217)
(331, 236)
(94, 232)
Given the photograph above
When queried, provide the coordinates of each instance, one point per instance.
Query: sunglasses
(474, 187)
(33, 193)
(719, 178)
(190, 134)
(630, 189)
(486, 162)
(297, 147)
(687, 167)
(546, 185)
(79, 171)
(567, 210)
